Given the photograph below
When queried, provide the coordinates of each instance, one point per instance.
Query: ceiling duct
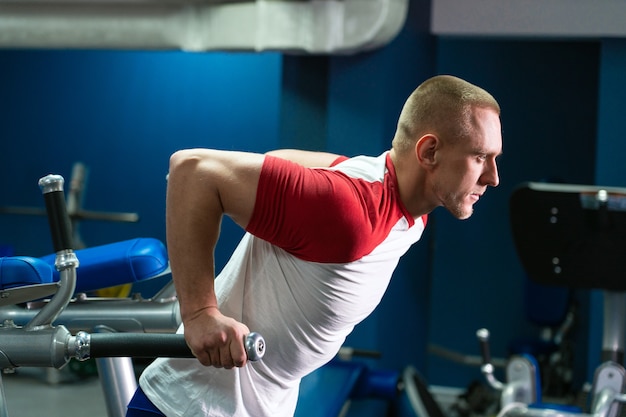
(292, 26)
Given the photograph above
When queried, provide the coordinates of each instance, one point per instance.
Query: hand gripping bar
(84, 345)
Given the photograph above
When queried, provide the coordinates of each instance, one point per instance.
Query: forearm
(203, 186)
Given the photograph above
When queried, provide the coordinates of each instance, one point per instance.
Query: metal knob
(255, 346)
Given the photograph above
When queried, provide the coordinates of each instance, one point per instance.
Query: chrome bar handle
(487, 367)
(66, 261)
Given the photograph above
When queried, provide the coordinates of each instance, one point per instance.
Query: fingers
(238, 355)
(226, 353)
(203, 357)
(227, 357)
(219, 360)
(232, 355)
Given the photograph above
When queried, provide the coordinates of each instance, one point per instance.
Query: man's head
(450, 130)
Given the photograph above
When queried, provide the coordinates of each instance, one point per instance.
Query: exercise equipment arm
(66, 261)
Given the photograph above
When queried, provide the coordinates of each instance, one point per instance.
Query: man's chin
(460, 209)
(462, 214)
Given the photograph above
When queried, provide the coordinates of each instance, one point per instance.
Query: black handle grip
(139, 345)
(60, 224)
(483, 339)
(155, 345)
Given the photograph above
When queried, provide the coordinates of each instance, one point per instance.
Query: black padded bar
(483, 341)
(571, 235)
(60, 224)
(139, 345)
(154, 345)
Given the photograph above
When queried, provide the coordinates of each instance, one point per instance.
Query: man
(324, 234)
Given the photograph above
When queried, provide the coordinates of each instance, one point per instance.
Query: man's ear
(426, 149)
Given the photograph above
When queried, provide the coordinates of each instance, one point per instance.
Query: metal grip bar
(66, 261)
(487, 366)
(483, 340)
(60, 224)
(146, 345)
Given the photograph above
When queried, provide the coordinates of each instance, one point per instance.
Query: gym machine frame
(39, 343)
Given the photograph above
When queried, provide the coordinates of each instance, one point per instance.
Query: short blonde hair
(441, 105)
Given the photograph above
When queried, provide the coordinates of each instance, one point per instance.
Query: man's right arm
(204, 185)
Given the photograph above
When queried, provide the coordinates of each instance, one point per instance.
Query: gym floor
(35, 392)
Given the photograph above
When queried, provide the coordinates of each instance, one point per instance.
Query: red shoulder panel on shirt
(322, 215)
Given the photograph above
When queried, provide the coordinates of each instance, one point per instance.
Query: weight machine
(572, 236)
(34, 337)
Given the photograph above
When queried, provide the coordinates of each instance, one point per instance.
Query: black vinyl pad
(571, 235)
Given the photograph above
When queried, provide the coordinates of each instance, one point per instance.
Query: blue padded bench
(325, 391)
(17, 271)
(102, 266)
(23, 278)
(118, 263)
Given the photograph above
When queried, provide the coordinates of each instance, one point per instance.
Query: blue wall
(124, 113)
